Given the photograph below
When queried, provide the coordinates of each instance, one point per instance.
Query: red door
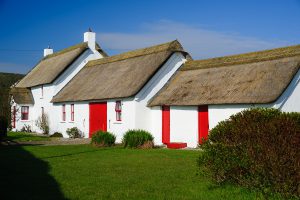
(203, 124)
(98, 117)
(165, 124)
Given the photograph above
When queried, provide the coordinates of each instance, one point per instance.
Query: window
(118, 110)
(63, 112)
(24, 112)
(42, 108)
(72, 112)
(42, 91)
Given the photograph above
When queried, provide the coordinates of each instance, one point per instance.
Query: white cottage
(204, 92)
(159, 89)
(32, 96)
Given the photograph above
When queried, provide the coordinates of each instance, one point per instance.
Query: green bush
(103, 138)
(138, 139)
(257, 148)
(56, 134)
(3, 127)
(74, 133)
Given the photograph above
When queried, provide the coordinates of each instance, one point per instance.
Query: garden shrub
(257, 148)
(74, 133)
(57, 134)
(3, 127)
(138, 139)
(103, 139)
(26, 129)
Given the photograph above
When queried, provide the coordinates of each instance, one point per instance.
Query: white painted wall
(147, 118)
(81, 118)
(184, 125)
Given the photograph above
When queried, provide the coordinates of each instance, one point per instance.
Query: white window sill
(41, 97)
(63, 122)
(117, 122)
(25, 120)
(71, 122)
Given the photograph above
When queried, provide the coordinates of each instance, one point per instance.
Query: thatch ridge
(169, 46)
(22, 95)
(251, 57)
(82, 45)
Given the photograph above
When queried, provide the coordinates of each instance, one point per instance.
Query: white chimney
(90, 38)
(48, 51)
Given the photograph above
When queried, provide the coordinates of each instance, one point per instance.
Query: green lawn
(86, 172)
(25, 137)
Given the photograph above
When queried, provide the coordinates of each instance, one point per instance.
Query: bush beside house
(74, 133)
(103, 139)
(138, 139)
(256, 148)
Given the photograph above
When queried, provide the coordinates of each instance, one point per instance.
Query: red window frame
(72, 112)
(24, 112)
(64, 112)
(118, 109)
(43, 112)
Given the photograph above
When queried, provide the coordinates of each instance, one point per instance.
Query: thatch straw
(170, 46)
(244, 58)
(254, 82)
(118, 79)
(22, 95)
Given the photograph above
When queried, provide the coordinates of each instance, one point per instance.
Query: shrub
(3, 127)
(74, 133)
(138, 139)
(26, 129)
(43, 123)
(256, 148)
(103, 138)
(56, 134)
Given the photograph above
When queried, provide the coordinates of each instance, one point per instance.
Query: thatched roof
(50, 67)
(118, 76)
(259, 77)
(22, 95)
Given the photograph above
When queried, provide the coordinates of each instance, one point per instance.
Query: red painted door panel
(203, 124)
(98, 117)
(165, 124)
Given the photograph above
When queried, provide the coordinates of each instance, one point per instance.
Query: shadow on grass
(23, 176)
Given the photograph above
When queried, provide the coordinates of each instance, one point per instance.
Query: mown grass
(25, 137)
(86, 172)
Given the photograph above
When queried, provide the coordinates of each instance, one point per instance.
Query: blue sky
(205, 28)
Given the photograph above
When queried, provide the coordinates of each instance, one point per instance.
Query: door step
(176, 145)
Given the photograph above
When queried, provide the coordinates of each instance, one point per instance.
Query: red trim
(176, 145)
(165, 124)
(14, 116)
(24, 112)
(64, 112)
(43, 111)
(203, 123)
(98, 117)
(72, 112)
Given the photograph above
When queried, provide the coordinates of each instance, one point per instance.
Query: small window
(42, 91)
(43, 112)
(72, 112)
(63, 112)
(24, 112)
(118, 110)
(14, 117)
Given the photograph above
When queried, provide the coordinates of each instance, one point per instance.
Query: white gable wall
(144, 114)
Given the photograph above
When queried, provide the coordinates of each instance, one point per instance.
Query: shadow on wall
(23, 176)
